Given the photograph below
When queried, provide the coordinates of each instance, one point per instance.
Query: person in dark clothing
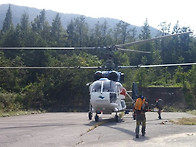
(159, 106)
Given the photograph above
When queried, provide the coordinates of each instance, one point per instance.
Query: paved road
(74, 129)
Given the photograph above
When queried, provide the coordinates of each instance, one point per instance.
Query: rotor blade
(60, 67)
(119, 67)
(168, 65)
(51, 48)
(158, 65)
(121, 49)
(142, 41)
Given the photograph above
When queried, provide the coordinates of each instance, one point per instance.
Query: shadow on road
(131, 133)
(33, 126)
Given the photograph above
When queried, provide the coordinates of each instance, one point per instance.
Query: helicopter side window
(119, 88)
(96, 87)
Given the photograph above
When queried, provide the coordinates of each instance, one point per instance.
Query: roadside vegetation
(22, 90)
(16, 113)
(185, 121)
(173, 109)
(192, 112)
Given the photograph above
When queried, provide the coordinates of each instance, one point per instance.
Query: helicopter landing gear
(90, 115)
(96, 118)
(116, 117)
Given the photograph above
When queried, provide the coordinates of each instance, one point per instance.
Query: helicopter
(107, 94)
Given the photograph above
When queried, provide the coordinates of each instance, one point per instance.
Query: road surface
(75, 130)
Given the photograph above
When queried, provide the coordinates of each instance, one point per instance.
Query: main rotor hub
(111, 75)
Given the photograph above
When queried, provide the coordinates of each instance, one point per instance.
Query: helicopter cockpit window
(96, 87)
(109, 86)
(104, 86)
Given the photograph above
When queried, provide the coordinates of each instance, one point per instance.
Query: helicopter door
(113, 97)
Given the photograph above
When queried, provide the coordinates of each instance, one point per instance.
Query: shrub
(10, 102)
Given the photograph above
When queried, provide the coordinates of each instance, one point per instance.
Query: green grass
(172, 109)
(121, 114)
(185, 121)
(192, 112)
(16, 113)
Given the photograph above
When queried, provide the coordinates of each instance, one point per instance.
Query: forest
(65, 89)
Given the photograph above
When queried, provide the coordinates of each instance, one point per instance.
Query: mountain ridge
(17, 12)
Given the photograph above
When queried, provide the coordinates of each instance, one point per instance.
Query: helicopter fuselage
(106, 96)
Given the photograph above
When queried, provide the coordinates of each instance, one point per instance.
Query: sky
(134, 12)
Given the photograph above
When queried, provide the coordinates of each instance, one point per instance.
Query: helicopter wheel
(96, 118)
(116, 117)
(90, 115)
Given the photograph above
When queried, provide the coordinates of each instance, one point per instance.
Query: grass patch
(192, 112)
(121, 114)
(16, 113)
(185, 121)
(172, 109)
(97, 125)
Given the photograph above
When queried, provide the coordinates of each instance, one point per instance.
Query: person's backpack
(139, 104)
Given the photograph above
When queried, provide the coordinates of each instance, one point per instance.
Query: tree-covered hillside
(65, 18)
(65, 89)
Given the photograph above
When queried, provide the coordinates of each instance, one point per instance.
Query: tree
(145, 32)
(180, 44)
(100, 35)
(58, 34)
(8, 34)
(106, 35)
(25, 31)
(122, 33)
(41, 26)
(148, 46)
(165, 28)
(39, 22)
(191, 98)
(78, 32)
(7, 23)
(24, 23)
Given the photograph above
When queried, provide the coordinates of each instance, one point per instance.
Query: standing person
(140, 109)
(159, 106)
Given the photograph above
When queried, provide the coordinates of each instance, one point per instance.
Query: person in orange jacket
(141, 106)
